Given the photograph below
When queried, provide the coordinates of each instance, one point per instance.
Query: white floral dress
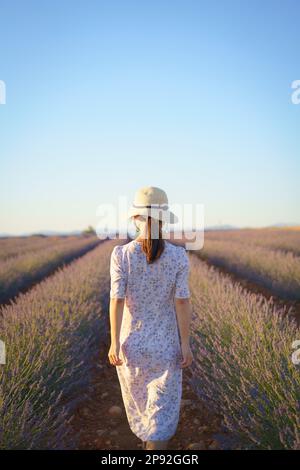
(150, 376)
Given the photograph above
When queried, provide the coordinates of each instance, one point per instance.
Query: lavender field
(22, 266)
(278, 239)
(277, 270)
(16, 246)
(51, 334)
(243, 368)
(242, 345)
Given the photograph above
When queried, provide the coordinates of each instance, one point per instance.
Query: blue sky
(103, 98)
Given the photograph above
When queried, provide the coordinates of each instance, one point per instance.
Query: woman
(150, 316)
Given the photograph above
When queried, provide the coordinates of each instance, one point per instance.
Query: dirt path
(98, 429)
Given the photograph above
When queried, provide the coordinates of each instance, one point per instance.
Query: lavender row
(243, 364)
(277, 239)
(19, 272)
(273, 269)
(51, 334)
(19, 246)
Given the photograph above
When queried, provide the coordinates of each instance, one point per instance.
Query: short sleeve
(182, 290)
(118, 276)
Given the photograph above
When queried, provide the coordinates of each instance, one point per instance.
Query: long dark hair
(153, 247)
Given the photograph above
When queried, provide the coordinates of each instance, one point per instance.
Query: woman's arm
(116, 307)
(184, 315)
(118, 275)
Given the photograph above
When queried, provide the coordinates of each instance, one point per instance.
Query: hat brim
(159, 214)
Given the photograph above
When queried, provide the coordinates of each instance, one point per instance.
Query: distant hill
(222, 227)
(47, 233)
(280, 224)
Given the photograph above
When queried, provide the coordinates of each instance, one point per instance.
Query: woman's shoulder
(176, 251)
(117, 248)
(171, 247)
(175, 247)
(118, 251)
(125, 249)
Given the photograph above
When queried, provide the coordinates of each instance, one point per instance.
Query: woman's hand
(114, 354)
(187, 355)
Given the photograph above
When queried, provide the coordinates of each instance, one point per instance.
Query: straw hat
(152, 201)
